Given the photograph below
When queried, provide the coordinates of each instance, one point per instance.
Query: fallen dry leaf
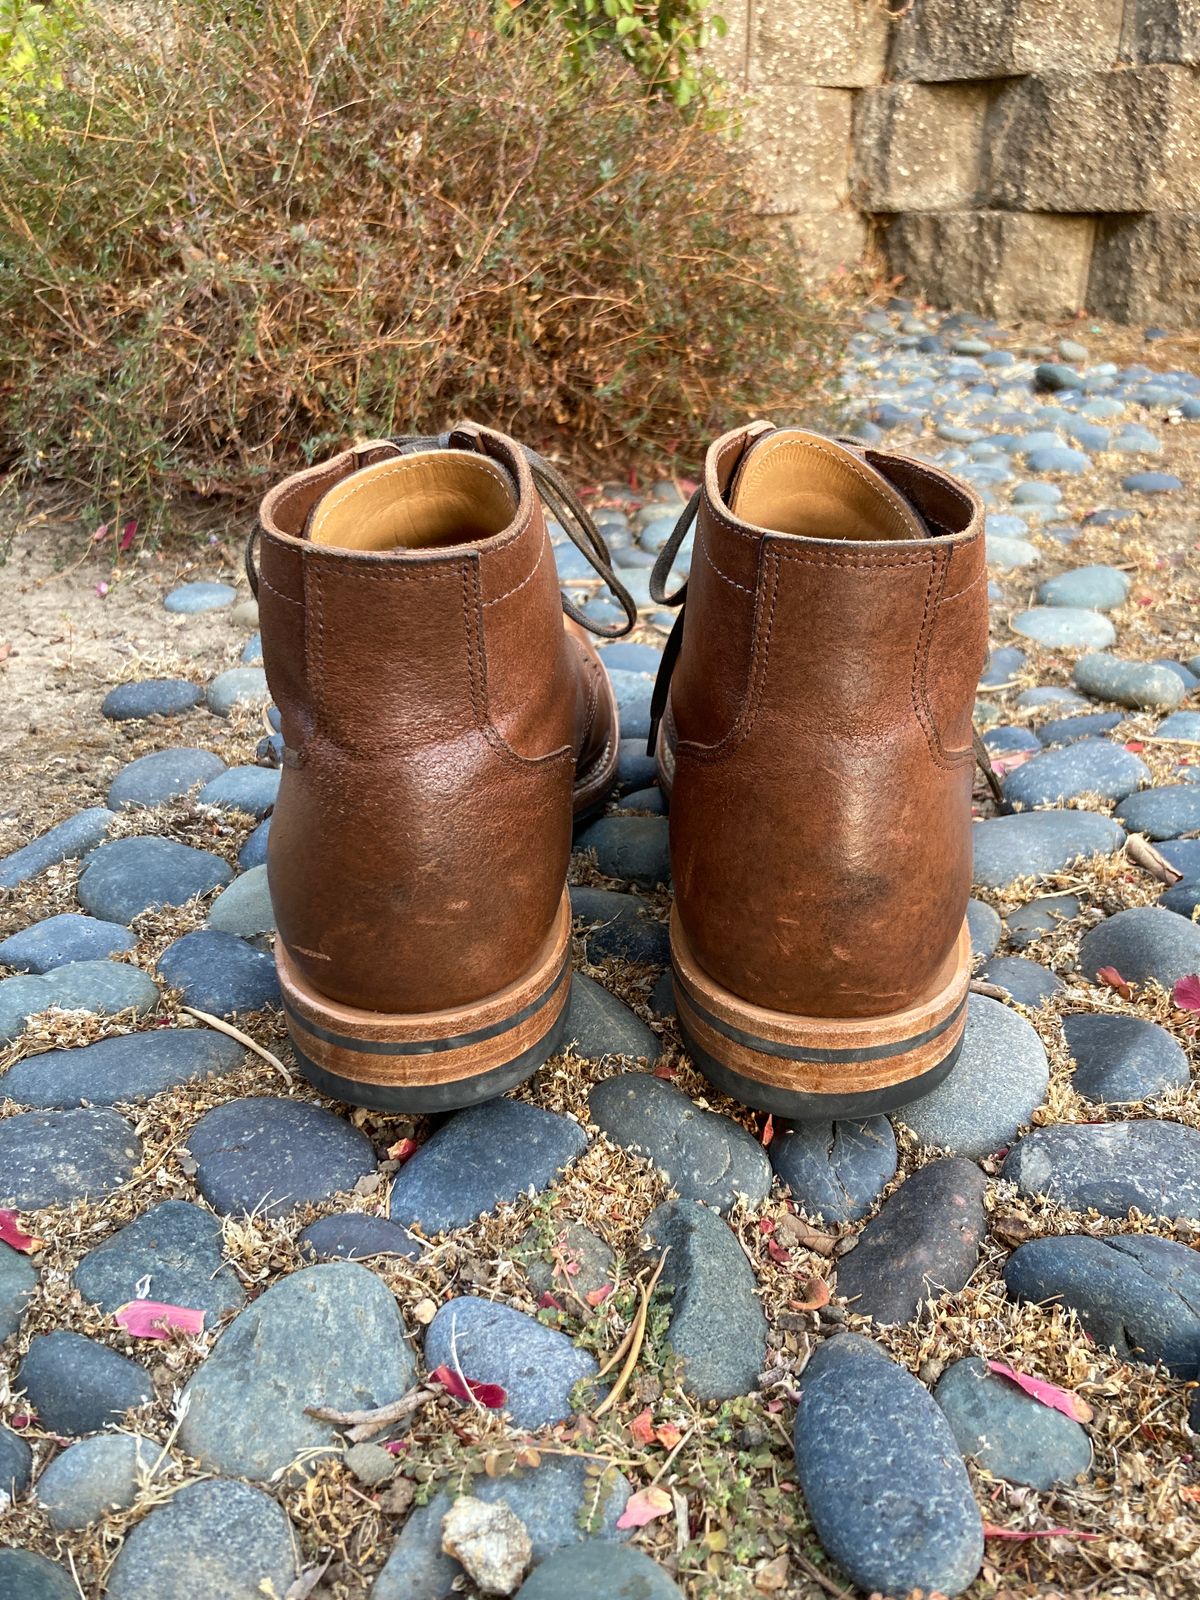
(772, 1576)
(1070, 1404)
(1114, 980)
(1186, 993)
(815, 1294)
(597, 1297)
(402, 1150)
(804, 1236)
(642, 1426)
(154, 1319)
(644, 1507)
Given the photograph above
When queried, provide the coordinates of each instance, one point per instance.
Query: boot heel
(438, 1060)
(816, 1068)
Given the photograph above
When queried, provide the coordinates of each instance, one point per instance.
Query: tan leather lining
(801, 484)
(431, 500)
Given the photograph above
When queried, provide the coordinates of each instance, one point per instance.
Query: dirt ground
(73, 623)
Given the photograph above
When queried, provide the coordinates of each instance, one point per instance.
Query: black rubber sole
(802, 1106)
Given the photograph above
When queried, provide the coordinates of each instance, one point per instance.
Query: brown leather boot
(441, 728)
(816, 741)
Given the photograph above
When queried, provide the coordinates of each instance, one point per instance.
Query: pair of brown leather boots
(443, 728)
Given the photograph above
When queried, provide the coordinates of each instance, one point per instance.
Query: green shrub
(238, 237)
(660, 37)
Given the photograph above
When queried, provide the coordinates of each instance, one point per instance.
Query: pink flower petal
(644, 1507)
(1186, 993)
(11, 1233)
(153, 1319)
(490, 1395)
(1071, 1405)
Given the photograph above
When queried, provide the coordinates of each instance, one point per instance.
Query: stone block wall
(1017, 157)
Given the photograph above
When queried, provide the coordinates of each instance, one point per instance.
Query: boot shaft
(819, 724)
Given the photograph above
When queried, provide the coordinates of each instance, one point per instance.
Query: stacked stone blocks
(1022, 157)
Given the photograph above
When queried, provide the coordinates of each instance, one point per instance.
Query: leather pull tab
(986, 767)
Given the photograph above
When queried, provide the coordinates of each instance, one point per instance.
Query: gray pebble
(1123, 1058)
(537, 1367)
(1109, 1167)
(1143, 943)
(835, 1170)
(219, 973)
(79, 1386)
(125, 877)
(162, 775)
(237, 686)
(129, 1067)
(94, 1478)
(50, 1158)
(174, 1245)
(150, 697)
(264, 1155)
(74, 837)
(599, 1025)
(63, 938)
(1009, 1433)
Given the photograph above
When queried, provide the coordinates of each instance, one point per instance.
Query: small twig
(222, 1026)
(818, 1576)
(1139, 849)
(992, 990)
(365, 1424)
(635, 1343)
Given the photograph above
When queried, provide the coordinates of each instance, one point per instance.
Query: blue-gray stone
(237, 686)
(561, 1503)
(250, 789)
(1151, 483)
(191, 598)
(624, 656)
(1008, 738)
(150, 697)
(125, 877)
(1003, 666)
(1089, 588)
(1036, 844)
(1119, 1059)
(162, 775)
(94, 1478)
(1183, 855)
(622, 925)
(73, 837)
(633, 691)
(355, 1236)
(1009, 1433)
(1111, 1166)
(480, 1158)
(881, 1473)
(1005, 524)
(1137, 1293)
(1183, 726)
(984, 926)
(1052, 375)
(244, 908)
(1068, 730)
(1065, 627)
(1186, 676)
(644, 801)
(924, 1241)
(631, 848)
(1010, 555)
(1030, 443)
(536, 1366)
(717, 1328)
(1129, 683)
(1088, 766)
(17, 1280)
(252, 651)
(994, 1088)
(78, 1386)
(174, 1245)
(1183, 898)
(1050, 695)
(65, 938)
(599, 1024)
(49, 1158)
(329, 1336)
(16, 1468)
(1030, 922)
(268, 752)
(1090, 436)
(703, 1155)
(254, 852)
(219, 973)
(1163, 813)
(24, 1575)
(99, 988)
(835, 1170)
(232, 1542)
(1037, 494)
(594, 1568)
(1136, 441)
(1027, 983)
(265, 1155)
(129, 1067)
(1060, 459)
(1143, 943)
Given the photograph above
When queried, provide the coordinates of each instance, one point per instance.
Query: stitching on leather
(942, 757)
(835, 558)
(744, 721)
(265, 583)
(707, 553)
(496, 599)
(966, 588)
